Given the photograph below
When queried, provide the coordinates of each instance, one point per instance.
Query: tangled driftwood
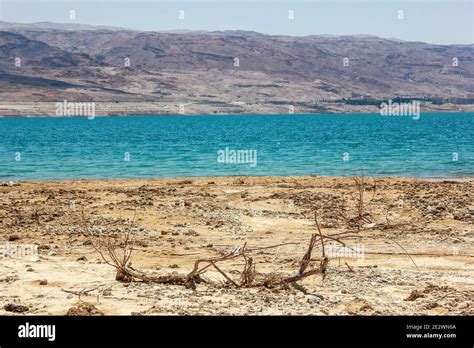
(117, 252)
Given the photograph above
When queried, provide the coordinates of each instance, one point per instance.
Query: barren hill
(226, 72)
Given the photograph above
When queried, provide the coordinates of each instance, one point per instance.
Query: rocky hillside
(226, 69)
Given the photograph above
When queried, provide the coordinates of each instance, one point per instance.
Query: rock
(122, 277)
(141, 243)
(414, 295)
(371, 225)
(16, 308)
(313, 300)
(13, 237)
(191, 233)
(256, 309)
(84, 309)
(182, 204)
(43, 282)
(82, 258)
(10, 184)
(29, 269)
(184, 182)
(432, 305)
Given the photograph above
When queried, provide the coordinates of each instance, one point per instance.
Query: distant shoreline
(45, 113)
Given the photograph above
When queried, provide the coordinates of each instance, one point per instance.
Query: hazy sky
(445, 21)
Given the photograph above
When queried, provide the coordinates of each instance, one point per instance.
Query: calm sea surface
(436, 145)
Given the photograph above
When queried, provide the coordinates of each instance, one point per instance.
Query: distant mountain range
(226, 71)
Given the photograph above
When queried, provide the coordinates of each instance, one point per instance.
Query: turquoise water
(187, 146)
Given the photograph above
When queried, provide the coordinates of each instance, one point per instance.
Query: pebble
(16, 308)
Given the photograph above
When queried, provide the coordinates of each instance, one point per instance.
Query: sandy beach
(414, 256)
